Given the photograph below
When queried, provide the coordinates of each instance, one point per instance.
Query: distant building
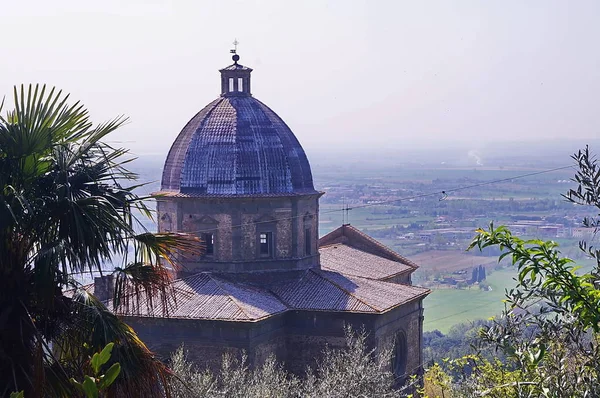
(238, 178)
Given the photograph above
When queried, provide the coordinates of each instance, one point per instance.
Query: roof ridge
(382, 246)
(425, 291)
(278, 297)
(229, 296)
(344, 290)
(338, 244)
(330, 256)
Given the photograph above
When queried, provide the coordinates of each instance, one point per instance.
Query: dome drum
(233, 229)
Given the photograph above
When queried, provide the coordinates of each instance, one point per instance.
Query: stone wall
(237, 223)
(297, 338)
(403, 278)
(406, 320)
(206, 341)
(308, 333)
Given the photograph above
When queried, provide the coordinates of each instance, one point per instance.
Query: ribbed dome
(236, 145)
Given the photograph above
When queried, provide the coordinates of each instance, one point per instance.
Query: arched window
(400, 355)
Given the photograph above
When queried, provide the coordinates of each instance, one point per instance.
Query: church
(266, 283)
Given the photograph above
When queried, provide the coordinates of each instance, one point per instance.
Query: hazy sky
(344, 73)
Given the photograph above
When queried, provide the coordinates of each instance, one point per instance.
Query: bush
(354, 371)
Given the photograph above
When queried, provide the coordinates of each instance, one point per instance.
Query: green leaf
(110, 376)
(90, 388)
(19, 394)
(100, 358)
(77, 384)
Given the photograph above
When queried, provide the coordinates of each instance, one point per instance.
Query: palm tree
(68, 206)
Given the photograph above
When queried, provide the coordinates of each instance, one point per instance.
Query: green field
(369, 218)
(446, 307)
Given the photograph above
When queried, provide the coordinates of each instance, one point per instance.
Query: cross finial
(235, 44)
(234, 51)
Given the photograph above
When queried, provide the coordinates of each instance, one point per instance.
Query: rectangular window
(266, 244)
(307, 242)
(231, 84)
(209, 244)
(240, 84)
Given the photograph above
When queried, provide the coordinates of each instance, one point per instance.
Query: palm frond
(139, 284)
(95, 326)
(68, 205)
(151, 247)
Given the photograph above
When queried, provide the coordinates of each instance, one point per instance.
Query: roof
(349, 260)
(211, 296)
(332, 291)
(236, 145)
(236, 67)
(257, 195)
(206, 296)
(348, 235)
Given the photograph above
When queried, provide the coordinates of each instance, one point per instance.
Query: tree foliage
(93, 385)
(549, 328)
(67, 206)
(351, 371)
(546, 339)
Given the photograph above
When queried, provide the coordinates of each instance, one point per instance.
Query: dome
(236, 145)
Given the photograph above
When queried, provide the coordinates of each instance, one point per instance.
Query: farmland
(446, 307)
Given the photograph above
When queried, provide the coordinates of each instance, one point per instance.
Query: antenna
(347, 210)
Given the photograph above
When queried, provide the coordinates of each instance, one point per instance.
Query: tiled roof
(332, 291)
(379, 295)
(236, 146)
(351, 236)
(351, 261)
(213, 297)
(205, 296)
(314, 292)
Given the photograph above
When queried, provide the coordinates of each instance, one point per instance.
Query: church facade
(266, 284)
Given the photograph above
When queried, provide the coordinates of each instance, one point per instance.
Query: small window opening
(209, 244)
(307, 242)
(266, 244)
(231, 84)
(240, 84)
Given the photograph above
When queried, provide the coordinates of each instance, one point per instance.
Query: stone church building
(266, 283)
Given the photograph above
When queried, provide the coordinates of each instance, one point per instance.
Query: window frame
(270, 244)
(208, 245)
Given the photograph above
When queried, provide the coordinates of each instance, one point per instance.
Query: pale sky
(345, 73)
